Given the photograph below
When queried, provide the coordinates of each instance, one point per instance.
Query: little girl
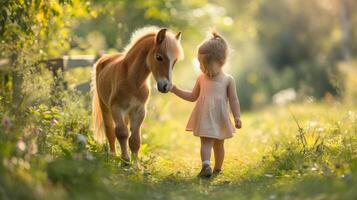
(210, 119)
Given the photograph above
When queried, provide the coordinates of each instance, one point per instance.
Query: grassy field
(270, 158)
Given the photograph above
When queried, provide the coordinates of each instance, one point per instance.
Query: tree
(32, 30)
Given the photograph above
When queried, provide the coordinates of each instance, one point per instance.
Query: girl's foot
(206, 172)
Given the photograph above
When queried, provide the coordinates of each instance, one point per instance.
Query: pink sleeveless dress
(210, 116)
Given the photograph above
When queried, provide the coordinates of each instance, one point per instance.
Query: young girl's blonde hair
(213, 50)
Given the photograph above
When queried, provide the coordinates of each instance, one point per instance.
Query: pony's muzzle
(163, 86)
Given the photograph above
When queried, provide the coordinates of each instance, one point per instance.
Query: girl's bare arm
(187, 95)
(233, 98)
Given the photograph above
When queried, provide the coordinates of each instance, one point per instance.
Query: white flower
(313, 124)
(21, 145)
(81, 138)
(352, 116)
(89, 156)
(320, 129)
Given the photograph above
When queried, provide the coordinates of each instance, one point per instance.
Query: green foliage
(32, 31)
(31, 26)
(121, 19)
(264, 159)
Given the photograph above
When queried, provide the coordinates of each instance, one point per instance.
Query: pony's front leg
(121, 131)
(136, 119)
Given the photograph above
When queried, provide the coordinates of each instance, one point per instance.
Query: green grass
(270, 158)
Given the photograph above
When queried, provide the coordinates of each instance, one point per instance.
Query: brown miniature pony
(120, 89)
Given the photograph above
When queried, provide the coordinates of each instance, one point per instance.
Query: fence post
(17, 81)
(5, 77)
(56, 65)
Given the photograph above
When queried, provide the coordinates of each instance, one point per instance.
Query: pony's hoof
(125, 162)
(112, 154)
(136, 165)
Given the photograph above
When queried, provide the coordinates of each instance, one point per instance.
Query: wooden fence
(62, 64)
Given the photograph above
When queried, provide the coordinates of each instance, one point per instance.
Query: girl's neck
(220, 71)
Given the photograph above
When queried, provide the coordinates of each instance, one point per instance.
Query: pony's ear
(161, 36)
(178, 36)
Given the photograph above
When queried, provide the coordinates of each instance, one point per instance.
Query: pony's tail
(97, 115)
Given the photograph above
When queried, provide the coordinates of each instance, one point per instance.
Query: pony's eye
(158, 57)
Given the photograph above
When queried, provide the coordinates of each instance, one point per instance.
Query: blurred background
(292, 49)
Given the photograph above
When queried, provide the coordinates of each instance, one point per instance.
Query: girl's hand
(238, 123)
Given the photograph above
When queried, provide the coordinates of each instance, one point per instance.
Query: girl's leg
(206, 149)
(218, 148)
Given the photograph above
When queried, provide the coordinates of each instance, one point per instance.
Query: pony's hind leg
(121, 131)
(136, 118)
(109, 131)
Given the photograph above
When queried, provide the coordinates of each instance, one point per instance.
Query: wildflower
(77, 157)
(145, 136)
(54, 122)
(21, 145)
(81, 139)
(352, 116)
(36, 131)
(6, 122)
(89, 156)
(13, 161)
(313, 124)
(320, 129)
(26, 132)
(32, 149)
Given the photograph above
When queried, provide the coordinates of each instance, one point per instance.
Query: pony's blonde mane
(170, 42)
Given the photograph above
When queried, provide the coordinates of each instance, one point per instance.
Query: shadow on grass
(286, 177)
(279, 178)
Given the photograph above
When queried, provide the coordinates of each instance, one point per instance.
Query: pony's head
(163, 56)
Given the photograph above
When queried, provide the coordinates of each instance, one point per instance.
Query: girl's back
(214, 87)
